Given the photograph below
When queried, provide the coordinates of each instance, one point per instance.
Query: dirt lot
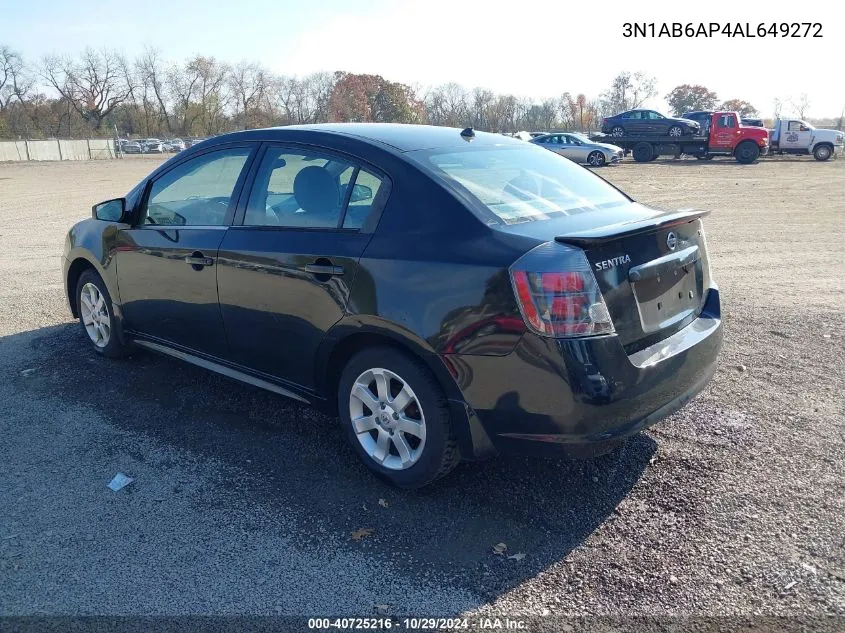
(244, 502)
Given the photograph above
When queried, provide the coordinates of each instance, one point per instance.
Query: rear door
(634, 123)
(287, 266)
(167, 261)
(573, 148)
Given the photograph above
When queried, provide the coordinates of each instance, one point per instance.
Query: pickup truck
(722, 135)
(794, 136)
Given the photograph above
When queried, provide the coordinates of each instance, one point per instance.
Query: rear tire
(96, 315)
(822, 152)
(747, 152)
(410, 445)
(643, 152)
(596, 159)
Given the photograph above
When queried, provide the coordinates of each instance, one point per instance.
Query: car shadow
(297, 462)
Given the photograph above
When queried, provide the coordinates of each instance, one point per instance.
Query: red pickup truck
(722, 134)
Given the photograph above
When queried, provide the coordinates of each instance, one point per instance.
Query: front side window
(727, 121)
(197, 192)
(521, 184)
(655, 116)
(798, 126)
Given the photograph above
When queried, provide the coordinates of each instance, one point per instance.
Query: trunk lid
(651, 266)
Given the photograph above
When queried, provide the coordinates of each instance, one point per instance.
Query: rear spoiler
(602, 234)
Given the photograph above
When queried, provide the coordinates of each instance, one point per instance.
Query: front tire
(96, 315)
(596, 159)
(617, 130)
(397, 418)
(822, 152)
(676, 131)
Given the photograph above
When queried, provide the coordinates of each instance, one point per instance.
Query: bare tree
(210, 91)
(629, 90)
(778, 107)
(482, 99)
(249, 83)
(15, 82)
(93, 86)
(153, 74)
(801, 105)
(548, 114)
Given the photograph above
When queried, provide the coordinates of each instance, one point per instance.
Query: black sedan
(648, 122)
(448, 294)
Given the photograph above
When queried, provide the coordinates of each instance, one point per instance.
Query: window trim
(141, 207)
(358, 163)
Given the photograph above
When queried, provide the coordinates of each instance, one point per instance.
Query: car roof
(398, 136)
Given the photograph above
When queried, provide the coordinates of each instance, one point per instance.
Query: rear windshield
(521, 184)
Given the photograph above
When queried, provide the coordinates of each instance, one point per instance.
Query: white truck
(794, 136)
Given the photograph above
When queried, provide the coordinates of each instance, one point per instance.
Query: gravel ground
(245, 503)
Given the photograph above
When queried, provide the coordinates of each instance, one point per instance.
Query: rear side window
(366, 188)
(521, 184)
(310, 190)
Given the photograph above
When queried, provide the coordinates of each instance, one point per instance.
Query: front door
(286, 268)
(723, 136)
(797, 135)
(167, 261)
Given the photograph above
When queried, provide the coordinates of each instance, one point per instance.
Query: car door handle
(324, 269)
(198, 260)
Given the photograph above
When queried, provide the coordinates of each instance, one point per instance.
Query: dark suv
(447, 293)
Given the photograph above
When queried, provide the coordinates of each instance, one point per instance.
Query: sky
(530, 48)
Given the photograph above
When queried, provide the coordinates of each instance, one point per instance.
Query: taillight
(558, 294)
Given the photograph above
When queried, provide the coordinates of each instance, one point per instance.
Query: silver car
(578, 148)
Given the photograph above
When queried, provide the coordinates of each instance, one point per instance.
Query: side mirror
(361, 192)
(804, 128)
(110, 210)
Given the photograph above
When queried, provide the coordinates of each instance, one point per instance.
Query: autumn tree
(738, 105)
(691, 97)
(371, 98)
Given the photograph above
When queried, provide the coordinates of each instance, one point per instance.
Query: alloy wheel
(387, 418)
(95, 315)
(617, 131)
(596, 159)
(675, 131)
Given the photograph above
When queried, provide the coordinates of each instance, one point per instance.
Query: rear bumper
(550, 395)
